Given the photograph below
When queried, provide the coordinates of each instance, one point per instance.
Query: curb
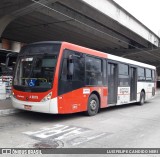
(8, 112)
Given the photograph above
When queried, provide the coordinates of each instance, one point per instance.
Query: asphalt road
(127, 126)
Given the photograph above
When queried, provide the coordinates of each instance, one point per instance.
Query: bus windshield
(35, 72)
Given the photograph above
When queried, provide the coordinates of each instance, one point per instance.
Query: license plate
(27, 107)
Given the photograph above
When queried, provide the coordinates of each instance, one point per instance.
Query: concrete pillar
(15, 46)
(6, 44)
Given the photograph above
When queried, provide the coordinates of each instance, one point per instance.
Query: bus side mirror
(70, 66)
(71, 69)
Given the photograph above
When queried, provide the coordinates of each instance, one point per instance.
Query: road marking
(72, 135)
(81, 140)
(57, 132)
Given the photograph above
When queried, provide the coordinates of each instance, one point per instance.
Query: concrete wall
(114, 11)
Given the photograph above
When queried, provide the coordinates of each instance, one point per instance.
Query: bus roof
(109, 56)
(117, 58)
(129, 61)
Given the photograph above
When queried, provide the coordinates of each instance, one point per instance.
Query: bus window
(148, 74)
(123, 69)
(79, 67)
(93, 71)
(39, 70)
(68, 83)
(141, 74)
(78, 61)
(123, 75)
(153, 75)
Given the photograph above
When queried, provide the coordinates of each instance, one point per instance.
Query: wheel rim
(93, 105)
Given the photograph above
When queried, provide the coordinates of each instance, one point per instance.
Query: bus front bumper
(43, 107)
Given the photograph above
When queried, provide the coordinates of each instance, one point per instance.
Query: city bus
(62, 78)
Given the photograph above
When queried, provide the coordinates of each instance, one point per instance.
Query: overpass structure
(98, 24)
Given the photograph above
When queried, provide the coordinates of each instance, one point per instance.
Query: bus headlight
(46, 98)
(13, 95)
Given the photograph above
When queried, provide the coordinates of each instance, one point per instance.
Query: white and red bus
(62, 78)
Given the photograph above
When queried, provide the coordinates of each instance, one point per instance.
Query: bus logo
(86, 91)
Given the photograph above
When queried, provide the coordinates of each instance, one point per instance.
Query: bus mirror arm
(6, 70)
(5, 67)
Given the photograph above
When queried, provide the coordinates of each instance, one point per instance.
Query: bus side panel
(147, 87)
(104, 97)
(123, 95)
(67, 102)
(77, 100)
(149, 90)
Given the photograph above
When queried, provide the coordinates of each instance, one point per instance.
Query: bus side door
(133, 83)
(112, 83)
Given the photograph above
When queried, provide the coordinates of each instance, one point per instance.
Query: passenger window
(141, 74)
(153, 75)
(148, 74)
(79, 67)
(93, 71)
(123, 75)
(76, 79)
(123, 69)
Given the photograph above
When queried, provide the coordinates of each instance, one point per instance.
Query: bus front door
(133, 84)
(112, 83)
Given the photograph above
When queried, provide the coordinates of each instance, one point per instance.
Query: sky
(146, 11)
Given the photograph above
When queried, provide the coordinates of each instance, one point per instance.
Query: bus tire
(93, 105)
(142, 98)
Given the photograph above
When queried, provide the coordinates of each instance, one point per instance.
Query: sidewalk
(6, 107)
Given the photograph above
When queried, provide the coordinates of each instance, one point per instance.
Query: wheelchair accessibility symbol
(31, 83)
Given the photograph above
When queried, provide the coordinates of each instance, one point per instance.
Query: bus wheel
(93, 105)
(142, 98)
